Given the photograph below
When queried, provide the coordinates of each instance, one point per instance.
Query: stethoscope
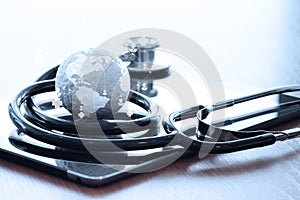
(31, 120)
(57, 137)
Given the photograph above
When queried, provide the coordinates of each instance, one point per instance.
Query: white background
(37, 35)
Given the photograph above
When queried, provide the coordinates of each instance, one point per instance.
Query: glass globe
(92, 82)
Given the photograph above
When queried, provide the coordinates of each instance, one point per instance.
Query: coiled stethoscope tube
(34, 123)
(38, 126)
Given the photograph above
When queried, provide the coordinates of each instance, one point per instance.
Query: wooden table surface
(254, 44)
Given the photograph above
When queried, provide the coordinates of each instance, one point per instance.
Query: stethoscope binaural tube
(240, 140)
(245, 139)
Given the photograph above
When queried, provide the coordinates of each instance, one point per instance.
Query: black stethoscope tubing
(203, 126)
(58, 139)
(173, 135)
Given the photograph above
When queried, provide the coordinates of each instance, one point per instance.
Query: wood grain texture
(254, 45)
